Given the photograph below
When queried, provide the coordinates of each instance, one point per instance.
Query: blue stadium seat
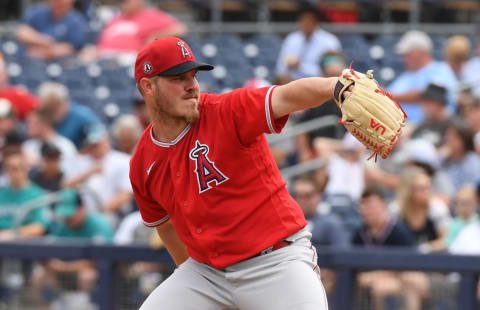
(353, 41)
(343, 201)
(387, 41)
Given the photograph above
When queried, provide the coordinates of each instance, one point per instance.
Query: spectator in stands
(461, 163)
(104, 172)
(12, 132)
(382, 230)
(326, 228)
(346, 171)
(415, 47)
(126, 130)
(20, 219)
(302, 50)
(426, 217)
(22, 101)
(423, 154)
(48, 174)
(416, 153)
(73, 221)
(134, 27)
(436, 117)
(71, 120)
(465, 223)
(52, 30)
(456, 52)
(40, 128)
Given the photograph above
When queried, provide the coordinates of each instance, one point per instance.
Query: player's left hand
(368, 111)
(348, 92)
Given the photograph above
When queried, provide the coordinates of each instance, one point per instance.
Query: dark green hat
(67, 205)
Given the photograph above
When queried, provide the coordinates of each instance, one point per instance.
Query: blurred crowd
(65, 173)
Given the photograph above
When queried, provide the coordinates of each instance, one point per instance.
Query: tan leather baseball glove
(369, 113)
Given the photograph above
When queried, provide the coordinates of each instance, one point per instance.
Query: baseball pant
(287, 278)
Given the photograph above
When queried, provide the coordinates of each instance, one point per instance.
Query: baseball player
(204, 177)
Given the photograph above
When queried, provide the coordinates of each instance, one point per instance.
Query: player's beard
(166, 108)
(192, 114)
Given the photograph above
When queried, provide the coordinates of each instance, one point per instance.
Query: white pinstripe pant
(287, 278)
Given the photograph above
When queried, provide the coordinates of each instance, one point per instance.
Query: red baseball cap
(165, 57)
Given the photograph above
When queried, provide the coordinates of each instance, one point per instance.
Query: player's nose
(191, 84)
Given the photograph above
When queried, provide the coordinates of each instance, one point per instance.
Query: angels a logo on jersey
(205, 168)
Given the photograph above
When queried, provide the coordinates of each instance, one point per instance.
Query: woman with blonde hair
(427, 218)
(456, 52)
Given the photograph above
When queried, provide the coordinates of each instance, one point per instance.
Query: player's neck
(167, 131)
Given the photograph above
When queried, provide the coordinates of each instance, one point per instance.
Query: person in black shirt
(381, 230)
(435, 112)
(48, 175)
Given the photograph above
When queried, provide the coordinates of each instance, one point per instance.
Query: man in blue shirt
(52, 30)
(71, 120)
(415, 47)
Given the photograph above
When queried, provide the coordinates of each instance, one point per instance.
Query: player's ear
(146, 86)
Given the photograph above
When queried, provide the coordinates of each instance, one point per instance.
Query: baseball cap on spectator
(332, 58)
(414, 40)
(424, 152)
(49, 150)
(166, 57)
(435, 93)
(68, 203)
(94, 134)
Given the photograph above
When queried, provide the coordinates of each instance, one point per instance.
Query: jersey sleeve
(152, 213)
(249, 111)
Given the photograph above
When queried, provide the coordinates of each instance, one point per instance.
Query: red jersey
(217, 181)
(130, 33)
(22, 101)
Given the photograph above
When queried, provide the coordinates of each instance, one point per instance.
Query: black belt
(280, 244)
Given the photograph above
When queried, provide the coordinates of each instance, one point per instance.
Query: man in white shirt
(301, 50)
(103, 173)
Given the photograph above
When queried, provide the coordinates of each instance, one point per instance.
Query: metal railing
(291, 172)
(346, 262)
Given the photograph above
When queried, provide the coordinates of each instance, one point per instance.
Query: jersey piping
(175, 141)
(267, 109)
(157, 223)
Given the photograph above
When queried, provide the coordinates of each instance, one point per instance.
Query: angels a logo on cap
(185, 51)
(147, 67)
